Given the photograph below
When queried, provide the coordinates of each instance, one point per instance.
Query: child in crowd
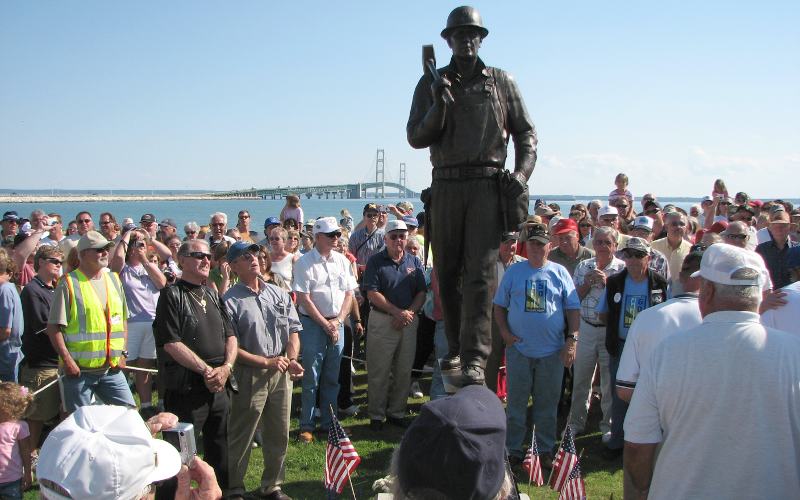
(15, 445)
(621, 181)
(719, 191)
(292, 209)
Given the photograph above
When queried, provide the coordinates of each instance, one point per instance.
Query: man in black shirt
(196, 348)
(39, 366)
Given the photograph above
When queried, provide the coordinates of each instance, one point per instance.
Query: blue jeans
(11, 490)
(10, 356)
(619, 408)
(440, 351)
(110, 386)
(540, 378)
(321, 359)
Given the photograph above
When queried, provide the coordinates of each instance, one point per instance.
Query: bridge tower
(403, 179)
(379, 175)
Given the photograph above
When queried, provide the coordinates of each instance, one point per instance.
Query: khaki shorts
(46, 404)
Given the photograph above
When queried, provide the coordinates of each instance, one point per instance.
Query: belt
(328, 318)
(593, 324)
(440, 173)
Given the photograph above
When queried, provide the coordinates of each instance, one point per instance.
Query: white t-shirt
(762, 235)
(723, 400)
(786, 318)
(650, 327)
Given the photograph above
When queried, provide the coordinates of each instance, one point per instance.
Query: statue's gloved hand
(512, 185)
(440, 89)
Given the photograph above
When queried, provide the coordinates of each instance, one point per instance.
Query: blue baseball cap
(411, 221)
(240, 248)
(271, 221)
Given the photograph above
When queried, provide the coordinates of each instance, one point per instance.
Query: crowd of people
(230, 321)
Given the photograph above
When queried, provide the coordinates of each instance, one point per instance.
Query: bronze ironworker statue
(465, 113)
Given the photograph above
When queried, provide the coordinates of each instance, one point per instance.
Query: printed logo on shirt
(634, 304)
(535, 296)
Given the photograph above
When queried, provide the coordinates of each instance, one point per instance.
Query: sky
(229, 95)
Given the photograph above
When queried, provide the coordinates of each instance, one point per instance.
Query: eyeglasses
(53, 261)
(605, 243)
(372, 215)
(199, 255)
(84, 221)
(105, 222)
(633, 254)
(191, 232)
(394, 237)
(335, 234)
(736, 236)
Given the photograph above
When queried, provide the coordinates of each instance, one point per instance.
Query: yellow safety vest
(94, 335)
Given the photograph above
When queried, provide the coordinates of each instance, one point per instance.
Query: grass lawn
(305, 463)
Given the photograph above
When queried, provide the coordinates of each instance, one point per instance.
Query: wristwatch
(573, 337)
(124, 354)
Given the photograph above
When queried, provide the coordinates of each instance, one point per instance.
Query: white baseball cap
(326, 225)
(720, 262)
(607, 210)
(103, 452)
(643, 222)
(395, 225)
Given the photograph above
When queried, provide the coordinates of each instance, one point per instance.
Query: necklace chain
(200, 302)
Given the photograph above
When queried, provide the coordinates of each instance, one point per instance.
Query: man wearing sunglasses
(196, 347)
(88, 328)
(627, 293)
(324, 284)
(395, 285)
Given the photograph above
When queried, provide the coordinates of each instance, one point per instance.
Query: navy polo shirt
(399, 282)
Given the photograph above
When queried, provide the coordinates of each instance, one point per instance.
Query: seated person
(455, 449)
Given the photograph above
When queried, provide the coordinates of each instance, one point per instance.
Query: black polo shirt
(36, 298)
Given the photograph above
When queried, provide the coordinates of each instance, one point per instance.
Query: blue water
(201, 210)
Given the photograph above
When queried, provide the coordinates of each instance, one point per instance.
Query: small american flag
(565, 460)
(340, 458)
(574, 489)
(532, 465)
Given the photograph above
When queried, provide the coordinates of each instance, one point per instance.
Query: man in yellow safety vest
(88, 329)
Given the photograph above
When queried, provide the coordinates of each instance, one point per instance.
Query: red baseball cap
(564, 226)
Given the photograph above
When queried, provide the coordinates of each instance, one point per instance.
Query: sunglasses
(372, 215)
(633, 254)
(53, 261)
(199, 255)
(100, 250)
(394, 237)
(336, 234)
(736, 236)
(191, 232)
(244, 216)
(248, 256)
(85, 221)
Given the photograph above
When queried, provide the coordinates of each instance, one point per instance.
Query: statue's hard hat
(464, 16)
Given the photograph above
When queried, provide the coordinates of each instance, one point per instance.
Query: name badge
(116, 319)
(617, 297)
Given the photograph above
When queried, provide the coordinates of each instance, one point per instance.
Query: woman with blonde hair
(282, 259)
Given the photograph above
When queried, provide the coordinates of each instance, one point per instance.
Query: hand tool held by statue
(465, 113)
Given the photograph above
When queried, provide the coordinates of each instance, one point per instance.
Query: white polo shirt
(722, 399)
(326, 280)
(786, 318)
(650, 327)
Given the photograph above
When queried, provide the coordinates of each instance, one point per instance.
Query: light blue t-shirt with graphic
(634, 298)
(536, 299)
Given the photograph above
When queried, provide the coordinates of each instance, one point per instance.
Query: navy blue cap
(456, 446)
(271, 221)
(10, 215)
(411, 221)
(239, 248)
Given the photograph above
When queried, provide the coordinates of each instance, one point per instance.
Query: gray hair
(222, 215)
(594, 203)
(740, 297)
(191, 226)
(186, 246)
(608, 231)
(38, 213)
